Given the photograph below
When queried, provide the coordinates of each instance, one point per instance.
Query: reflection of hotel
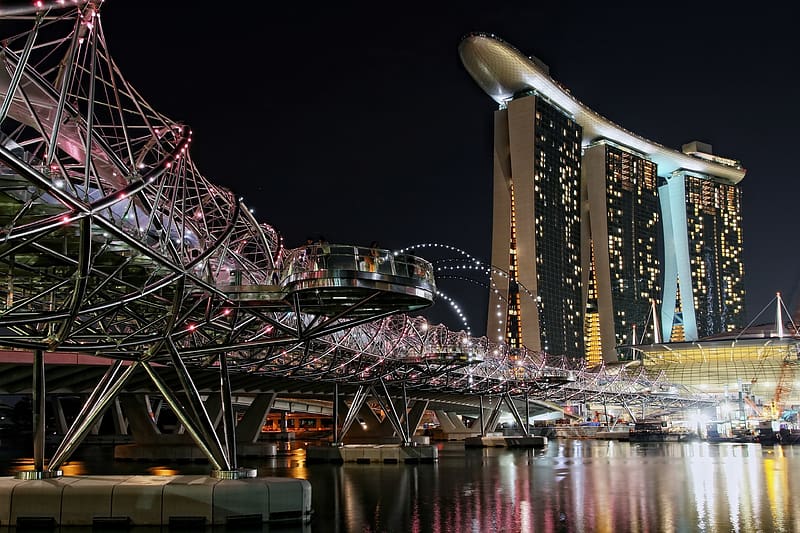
(593, 224)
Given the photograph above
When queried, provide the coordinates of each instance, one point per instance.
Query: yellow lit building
(761, 363)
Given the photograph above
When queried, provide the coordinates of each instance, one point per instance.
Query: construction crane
(785, 384)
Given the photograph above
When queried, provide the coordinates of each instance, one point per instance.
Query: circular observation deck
(359, 281)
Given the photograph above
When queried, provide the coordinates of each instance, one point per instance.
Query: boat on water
(742, 438)
(789, 436)
(733, 431)
(620, 433)
(782, 436)
(658, 431)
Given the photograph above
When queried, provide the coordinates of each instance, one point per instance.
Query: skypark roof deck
(502, 72)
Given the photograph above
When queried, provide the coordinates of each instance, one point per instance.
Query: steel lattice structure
(113, 243)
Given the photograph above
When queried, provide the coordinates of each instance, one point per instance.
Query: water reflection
(571, 485)
(162, 471)
(71, 468)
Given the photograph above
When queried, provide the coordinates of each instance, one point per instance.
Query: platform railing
(343, 257)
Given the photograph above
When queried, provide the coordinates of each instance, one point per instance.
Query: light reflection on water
(569, 486)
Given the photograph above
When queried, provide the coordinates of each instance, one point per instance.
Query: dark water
(571, 485)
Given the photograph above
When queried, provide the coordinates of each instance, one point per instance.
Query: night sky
(360, 123)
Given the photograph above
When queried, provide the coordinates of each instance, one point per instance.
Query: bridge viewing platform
(342, 279)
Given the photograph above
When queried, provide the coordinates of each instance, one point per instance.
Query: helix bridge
(112, 243)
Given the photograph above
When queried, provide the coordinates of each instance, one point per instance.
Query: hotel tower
(600, 238)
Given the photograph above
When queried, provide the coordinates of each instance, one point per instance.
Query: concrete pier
(372, 454)
(183, 500)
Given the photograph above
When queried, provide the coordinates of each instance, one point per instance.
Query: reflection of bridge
(113, 244)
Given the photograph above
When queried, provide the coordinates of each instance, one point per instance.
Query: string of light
(458, 265)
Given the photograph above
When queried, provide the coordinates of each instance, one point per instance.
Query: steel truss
(113, 243)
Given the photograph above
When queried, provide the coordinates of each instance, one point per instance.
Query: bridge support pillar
(491, 416)
(248, 430)
(213, 405)
(38, 415)
(415, 414)
(445, 422)
(451, 427)
(370, 428)
(141, 421)
(120, 422)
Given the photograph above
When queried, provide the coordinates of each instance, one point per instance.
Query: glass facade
(589, 316)
(621, 248)
(513, 335)
(633, 235)
(591, 323)
(765, 368)
(714, 226)
(557, 171)
(704, 277)
(536, 235)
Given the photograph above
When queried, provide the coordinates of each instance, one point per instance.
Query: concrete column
(456, 421)
(213, 404)
(155, 412)
(374, 430)
(61, 418)
(248, 430)
(415, 415)
(445, 423)
(120, 422)
(142, 426)
(376, 426)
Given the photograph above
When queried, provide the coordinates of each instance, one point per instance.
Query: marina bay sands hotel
(601, 238)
